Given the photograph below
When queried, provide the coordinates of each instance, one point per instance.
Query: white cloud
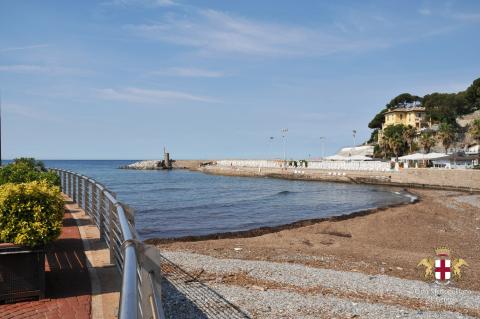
(43, 69)
(467, 17)
(29, 112)
(147, 96)
(214, 31)
(189, 72)
(28, 47)
(425, 12)
(142, 3)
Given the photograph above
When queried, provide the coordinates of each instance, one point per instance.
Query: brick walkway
(68, 293)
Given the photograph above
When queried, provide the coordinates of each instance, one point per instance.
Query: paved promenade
(72, 274)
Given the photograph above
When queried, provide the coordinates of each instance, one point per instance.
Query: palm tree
(446, 135)
(395, 143)
(427, 141)
(409, 135)
(383, 145)
(393, 139)
(474, 132)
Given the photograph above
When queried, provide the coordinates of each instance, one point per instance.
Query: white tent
(360, 158)
(337, 157)
(421, 157)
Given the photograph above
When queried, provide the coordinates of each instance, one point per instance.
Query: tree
(403, 99)
(445, 107)
(373, 137)
(377, 121)
(472, 95)
(409, 135)
(393, 139)
(427, 141)
(446, 135)
(474, 132)
(25, 170)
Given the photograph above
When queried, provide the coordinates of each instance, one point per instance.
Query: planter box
(22, 273)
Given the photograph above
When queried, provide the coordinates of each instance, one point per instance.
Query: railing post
(64, 182)
(74, 187)
(70, 186)
(101, 214)
(86, 185)
(111, 208)
(80, 191)
(94, 203)
(67, 176)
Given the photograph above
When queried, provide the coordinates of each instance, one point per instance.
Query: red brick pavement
(68, 293)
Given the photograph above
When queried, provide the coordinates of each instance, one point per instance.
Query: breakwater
(434, 178)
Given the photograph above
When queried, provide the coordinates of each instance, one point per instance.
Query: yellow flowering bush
(30, 213)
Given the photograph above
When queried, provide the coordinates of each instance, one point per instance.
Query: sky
(121, 79)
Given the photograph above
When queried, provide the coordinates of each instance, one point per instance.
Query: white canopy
(337, 157)
(421, 156)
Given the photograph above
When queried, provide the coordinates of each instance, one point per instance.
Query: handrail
(138, 298)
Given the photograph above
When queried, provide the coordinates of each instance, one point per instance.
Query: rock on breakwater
(150, 164)
(175, 164)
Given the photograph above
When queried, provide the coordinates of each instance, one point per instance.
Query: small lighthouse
(166, 159)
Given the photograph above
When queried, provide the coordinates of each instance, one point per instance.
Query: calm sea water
(179, 203)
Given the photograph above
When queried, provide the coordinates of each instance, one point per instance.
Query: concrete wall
(327, 165)
(461, 179)
(466, 178)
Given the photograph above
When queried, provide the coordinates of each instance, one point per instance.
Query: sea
(176, 203)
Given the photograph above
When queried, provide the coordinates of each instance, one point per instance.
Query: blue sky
(120, 79)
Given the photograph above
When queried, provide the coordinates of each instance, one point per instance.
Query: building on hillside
(407, 114)
(472, 149)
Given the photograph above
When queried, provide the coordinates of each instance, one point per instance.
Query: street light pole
(322, 139)
(284, 136)
(270, 141)
(354, 133)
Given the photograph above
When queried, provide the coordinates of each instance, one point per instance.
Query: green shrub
(30, 213)
(24, 170)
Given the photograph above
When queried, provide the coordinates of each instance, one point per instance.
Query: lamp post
(354, 133)
(284, 132)
(270, 141)
(322, 139)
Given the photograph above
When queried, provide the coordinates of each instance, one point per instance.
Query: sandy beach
(386, 244)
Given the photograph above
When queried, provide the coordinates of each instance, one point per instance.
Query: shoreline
(263, 230)
(389, 240)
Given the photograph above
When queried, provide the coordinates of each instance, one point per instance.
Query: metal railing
(137, 262)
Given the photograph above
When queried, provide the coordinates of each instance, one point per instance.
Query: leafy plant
(25, 170)
(427, 140)
(409, 135)
(474, 132)
(446, 135)
(393, 140)
(30, 213)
